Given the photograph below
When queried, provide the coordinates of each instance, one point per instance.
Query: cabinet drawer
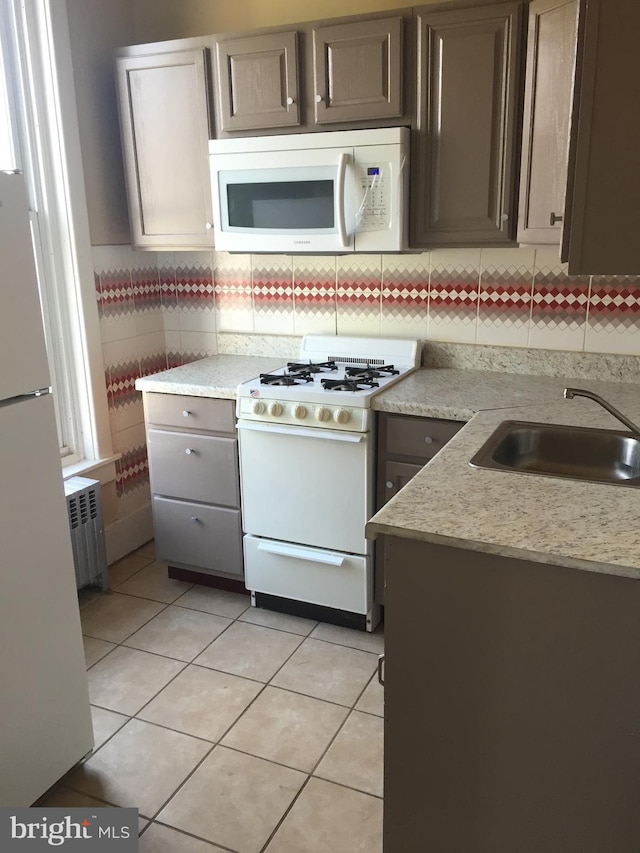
(205, 537)
(195, 467)
(396, 475)
(201, 413)
(421, 437)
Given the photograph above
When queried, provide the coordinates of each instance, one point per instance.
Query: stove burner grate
(311, 367)
(285, 379)
(347, 384)
(369, 372)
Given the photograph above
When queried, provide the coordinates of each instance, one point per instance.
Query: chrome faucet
(570, 393)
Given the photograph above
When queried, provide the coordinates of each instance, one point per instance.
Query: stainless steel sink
(576, 453)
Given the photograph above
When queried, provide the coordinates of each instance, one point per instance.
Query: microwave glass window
(289, 205)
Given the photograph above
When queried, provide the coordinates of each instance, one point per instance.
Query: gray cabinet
(357, 70)
(164, 120)
(193, 468)
(405, 444)
(257, 81)
(602, 213)
(464, 150)
(551, 47)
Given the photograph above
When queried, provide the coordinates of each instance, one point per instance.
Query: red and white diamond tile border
(559, 305)
(359, 294)
(405, 295)
(506, 289)
(272, 288)
(233, 297)
(314, 295)
(614, 315)
(453, 295)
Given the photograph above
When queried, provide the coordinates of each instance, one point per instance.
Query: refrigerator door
(22, 350)
(44, 704)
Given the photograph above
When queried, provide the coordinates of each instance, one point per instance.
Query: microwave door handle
(340, 218)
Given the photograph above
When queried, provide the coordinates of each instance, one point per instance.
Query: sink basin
(576, 453)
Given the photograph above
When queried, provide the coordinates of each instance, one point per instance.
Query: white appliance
(307, 454)
(344, 191)
(45, 721)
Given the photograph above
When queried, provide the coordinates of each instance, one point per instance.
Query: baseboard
(126, 534)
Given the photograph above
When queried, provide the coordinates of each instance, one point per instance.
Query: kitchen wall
(165, 309)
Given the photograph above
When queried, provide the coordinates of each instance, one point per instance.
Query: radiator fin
(86, 526)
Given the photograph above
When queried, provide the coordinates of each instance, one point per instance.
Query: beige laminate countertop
(562, 522)
(217, 376)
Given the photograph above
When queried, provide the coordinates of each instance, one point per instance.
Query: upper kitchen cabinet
(163, 97)
(465, 148)
(357, 70)
(257, 82)
(602, 214)
(551, 48)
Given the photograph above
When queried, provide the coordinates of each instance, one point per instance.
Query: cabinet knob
(553, 218)
(319, 99)
(389, 484)
(428, 439)
(195, 519)
(186, 413)
(290, 101)
(208, 226)
(189, 451)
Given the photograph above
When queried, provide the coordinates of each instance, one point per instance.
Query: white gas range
(307, 453)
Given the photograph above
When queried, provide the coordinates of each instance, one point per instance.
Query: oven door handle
(301, 553)
(329, 435)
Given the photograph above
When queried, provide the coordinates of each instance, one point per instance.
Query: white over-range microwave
(343, 191)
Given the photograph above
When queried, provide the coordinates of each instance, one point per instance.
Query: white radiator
(86, 526)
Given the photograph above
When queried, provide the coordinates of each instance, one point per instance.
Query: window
(38, 135)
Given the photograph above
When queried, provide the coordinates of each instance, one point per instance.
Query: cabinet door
(602, 213)
(551, 49)
(358, 70)
(164, 119)
(257, 82)
(464, 155)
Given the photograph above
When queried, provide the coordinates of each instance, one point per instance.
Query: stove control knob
(323, 414)
(341, 416)
(258, 407)
(299, 412)
(275, 409)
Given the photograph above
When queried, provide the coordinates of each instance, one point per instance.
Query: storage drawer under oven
(306, 574)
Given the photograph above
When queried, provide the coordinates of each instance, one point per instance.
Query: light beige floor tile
(113, 617)
(281, 621)
(372, 700)
(142, 823)
(234, 800)
(140, 767)
(287, 728)
(356, 756)
(95, 650)
(153, 582)
(147, 550)
(218, 601)
(126, 567)
(65, 798)
(87, 595)
(327, 818)
(327, 671)
(105, 723)
(178, 633)
(127, 679)
(362, 640)
(201, 702)
(250, 651)
(162, 839)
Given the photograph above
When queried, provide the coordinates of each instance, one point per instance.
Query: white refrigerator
(45, 721)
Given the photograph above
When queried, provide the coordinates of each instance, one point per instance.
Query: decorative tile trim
(146, 289)
(559, 300)
(121, 384)
(132, 470)
(194, 287)
(614, 303)
(116, 296)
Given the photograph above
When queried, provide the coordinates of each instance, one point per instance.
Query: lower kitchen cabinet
(405, 444)
(511, 705)
(193, 468)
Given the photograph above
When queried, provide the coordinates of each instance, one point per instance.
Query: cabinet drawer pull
(186, 413)
(208, 226)
(189, 451)
(428, 439)
(389, 484)
(553, 219)
(381, 670)
(318, 99)
(290, 101)
(195, 519)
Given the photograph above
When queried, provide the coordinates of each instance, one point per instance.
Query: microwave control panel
(373, 210)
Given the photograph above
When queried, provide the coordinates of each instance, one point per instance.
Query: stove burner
(285, 379)
(311, 367)
(369, 372)
(347, 384)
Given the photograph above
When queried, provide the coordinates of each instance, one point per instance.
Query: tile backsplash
(165, 309)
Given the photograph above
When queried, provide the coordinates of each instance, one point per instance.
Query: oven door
(304, 485)
(284, 201)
